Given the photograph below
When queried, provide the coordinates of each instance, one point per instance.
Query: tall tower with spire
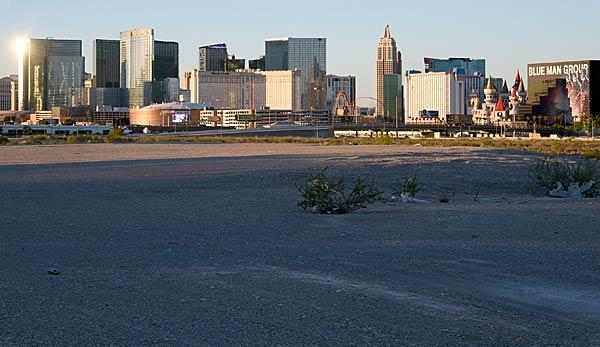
(389, 76)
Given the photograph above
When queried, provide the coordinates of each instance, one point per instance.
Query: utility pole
(396, 115)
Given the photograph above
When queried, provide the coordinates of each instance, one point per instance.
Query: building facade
(14, 93)
(7, 95)
(309, 55)
(283, 89)
(338, 84)
(169, 114)
(389, 62)
(229, 90)
(431, 97)
(48, 70)
(213, 57)
(102, 98)
(464, 66)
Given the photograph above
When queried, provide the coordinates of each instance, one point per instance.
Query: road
(203, 245)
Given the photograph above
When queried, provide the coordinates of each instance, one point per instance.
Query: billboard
(430, 114)
(560, 90)
(179, 118)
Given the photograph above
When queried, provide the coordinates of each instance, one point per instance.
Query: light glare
(21, 45)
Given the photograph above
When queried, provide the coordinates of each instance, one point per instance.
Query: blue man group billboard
(562, 90)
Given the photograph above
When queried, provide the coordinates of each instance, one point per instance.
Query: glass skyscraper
(392, 97)
(137, 64)
(213, 57)
(166, 60)
(49, 70)
(147, 69)
(306, 54)
(166, 71)
(106, 63)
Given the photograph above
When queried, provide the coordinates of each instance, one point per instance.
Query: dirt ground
(203, 244)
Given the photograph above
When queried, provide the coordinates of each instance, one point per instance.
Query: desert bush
(407, 185)
(116, 136)
(548, 173)
(75, 139)
(385, 140)
(333, 195)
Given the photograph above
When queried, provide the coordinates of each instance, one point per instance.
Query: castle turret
(474, 100)
(513, 104)
(491, 94)
(505, 93)
(522, 93)
(518, 80)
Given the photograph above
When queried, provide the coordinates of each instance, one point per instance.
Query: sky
(508, 34)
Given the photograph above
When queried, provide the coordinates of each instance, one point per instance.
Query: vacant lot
(202, 244)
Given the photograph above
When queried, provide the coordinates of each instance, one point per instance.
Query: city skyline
(520, 38)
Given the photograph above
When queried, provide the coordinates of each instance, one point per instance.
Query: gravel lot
(202, 244)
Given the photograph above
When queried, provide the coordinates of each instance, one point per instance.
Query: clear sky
(508, 33)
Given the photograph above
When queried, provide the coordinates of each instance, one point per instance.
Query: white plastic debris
(409, 199)
(575, 191)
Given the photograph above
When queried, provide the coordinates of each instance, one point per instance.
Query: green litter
(53, 272)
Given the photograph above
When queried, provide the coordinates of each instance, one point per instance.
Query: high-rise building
(165, 72)
(7, 92)
(337, 84)
(213, 57)
(309, 55)
(49, 70)
(431, 97)
(389, 62)
(283, 89)
(464, 66)
(257, 64)
(166, 60)
(151, 69)
(107, 59)
(137, 64)
(229, 90)
(392, 97)
(234, 64)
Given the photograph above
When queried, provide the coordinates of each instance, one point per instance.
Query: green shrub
(408, 185)
(4, 140)
(548, 173)
(333, 195)
(117, 136)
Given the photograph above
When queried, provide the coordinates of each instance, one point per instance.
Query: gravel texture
(202, 244)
